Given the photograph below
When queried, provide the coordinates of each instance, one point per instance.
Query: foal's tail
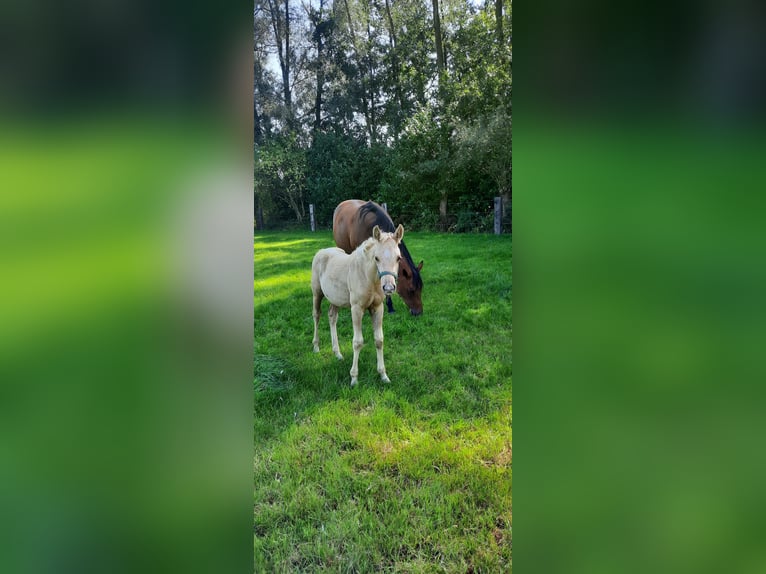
(315, 274)
(316, 287)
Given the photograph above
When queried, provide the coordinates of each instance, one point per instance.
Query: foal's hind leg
(356, 318)
(332, 313)
(317, 311)
(377, 330)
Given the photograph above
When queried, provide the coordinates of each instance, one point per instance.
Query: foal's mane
(384, 221)
(365, 245)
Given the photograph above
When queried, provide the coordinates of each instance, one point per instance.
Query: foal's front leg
(377, 330)
(356, 319)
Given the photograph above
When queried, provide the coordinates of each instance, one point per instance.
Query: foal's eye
(376, 259)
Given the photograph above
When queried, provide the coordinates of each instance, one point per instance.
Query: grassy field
(411, 476)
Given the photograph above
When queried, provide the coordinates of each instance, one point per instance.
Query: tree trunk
(259, 217)
(257, 131)
(283, 51)
(395, 65)
(372, 122)
(257, 118)
(286, 67)
(443, 213)
(295, 206)
(320, 83)
(360, 66)
(438, 37)
(499, 21)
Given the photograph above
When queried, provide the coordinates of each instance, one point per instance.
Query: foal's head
(385, 251)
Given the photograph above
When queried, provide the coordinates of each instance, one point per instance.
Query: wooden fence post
(311, 214)
(259, 218)
(498, 215)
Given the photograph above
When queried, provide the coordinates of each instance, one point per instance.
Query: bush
(280, 180)
(340, 168)
(465, 163)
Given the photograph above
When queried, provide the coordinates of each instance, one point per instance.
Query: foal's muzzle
(388, 288)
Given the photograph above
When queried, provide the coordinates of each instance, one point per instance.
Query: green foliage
(411, 476)
(375, 120)
(339, 168)
(418, 172)
(481, 81)
(280, 179)
(483, 149)
(464, 163)
(473, 216)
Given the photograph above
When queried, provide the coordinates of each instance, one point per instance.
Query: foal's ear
(420, 265)
(376, 232)
(399, 233)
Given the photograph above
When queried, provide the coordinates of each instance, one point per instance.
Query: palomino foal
(360, 281)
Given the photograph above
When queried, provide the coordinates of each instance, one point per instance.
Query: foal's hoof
(384, 378)
(316, 348)
(339, 356)
(354, 381)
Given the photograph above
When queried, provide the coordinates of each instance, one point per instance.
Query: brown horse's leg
(356, 318)
(317, 312)
(332, 313)
(377, 330)
(390, 304)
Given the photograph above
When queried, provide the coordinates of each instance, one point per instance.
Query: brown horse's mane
(384, 221)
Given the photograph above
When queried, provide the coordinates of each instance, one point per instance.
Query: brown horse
(353, 222)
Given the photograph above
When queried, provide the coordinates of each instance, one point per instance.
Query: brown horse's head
(410, 285)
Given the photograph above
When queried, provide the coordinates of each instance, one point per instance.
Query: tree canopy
(406, 102)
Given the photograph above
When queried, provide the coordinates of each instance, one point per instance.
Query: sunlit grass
(302, 278)
(277, 245)
(410, 476)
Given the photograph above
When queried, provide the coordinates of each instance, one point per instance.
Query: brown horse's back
(346, 231)
(349, 230)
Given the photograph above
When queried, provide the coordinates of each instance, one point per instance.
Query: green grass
(411, 476)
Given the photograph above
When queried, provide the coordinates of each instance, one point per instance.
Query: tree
(280, 23)
(323, 28)
(396, 105)
(280, 177)
(265, 98)
(438, 37)
(350, 101)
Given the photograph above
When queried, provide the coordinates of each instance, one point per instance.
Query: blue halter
(394, 275)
